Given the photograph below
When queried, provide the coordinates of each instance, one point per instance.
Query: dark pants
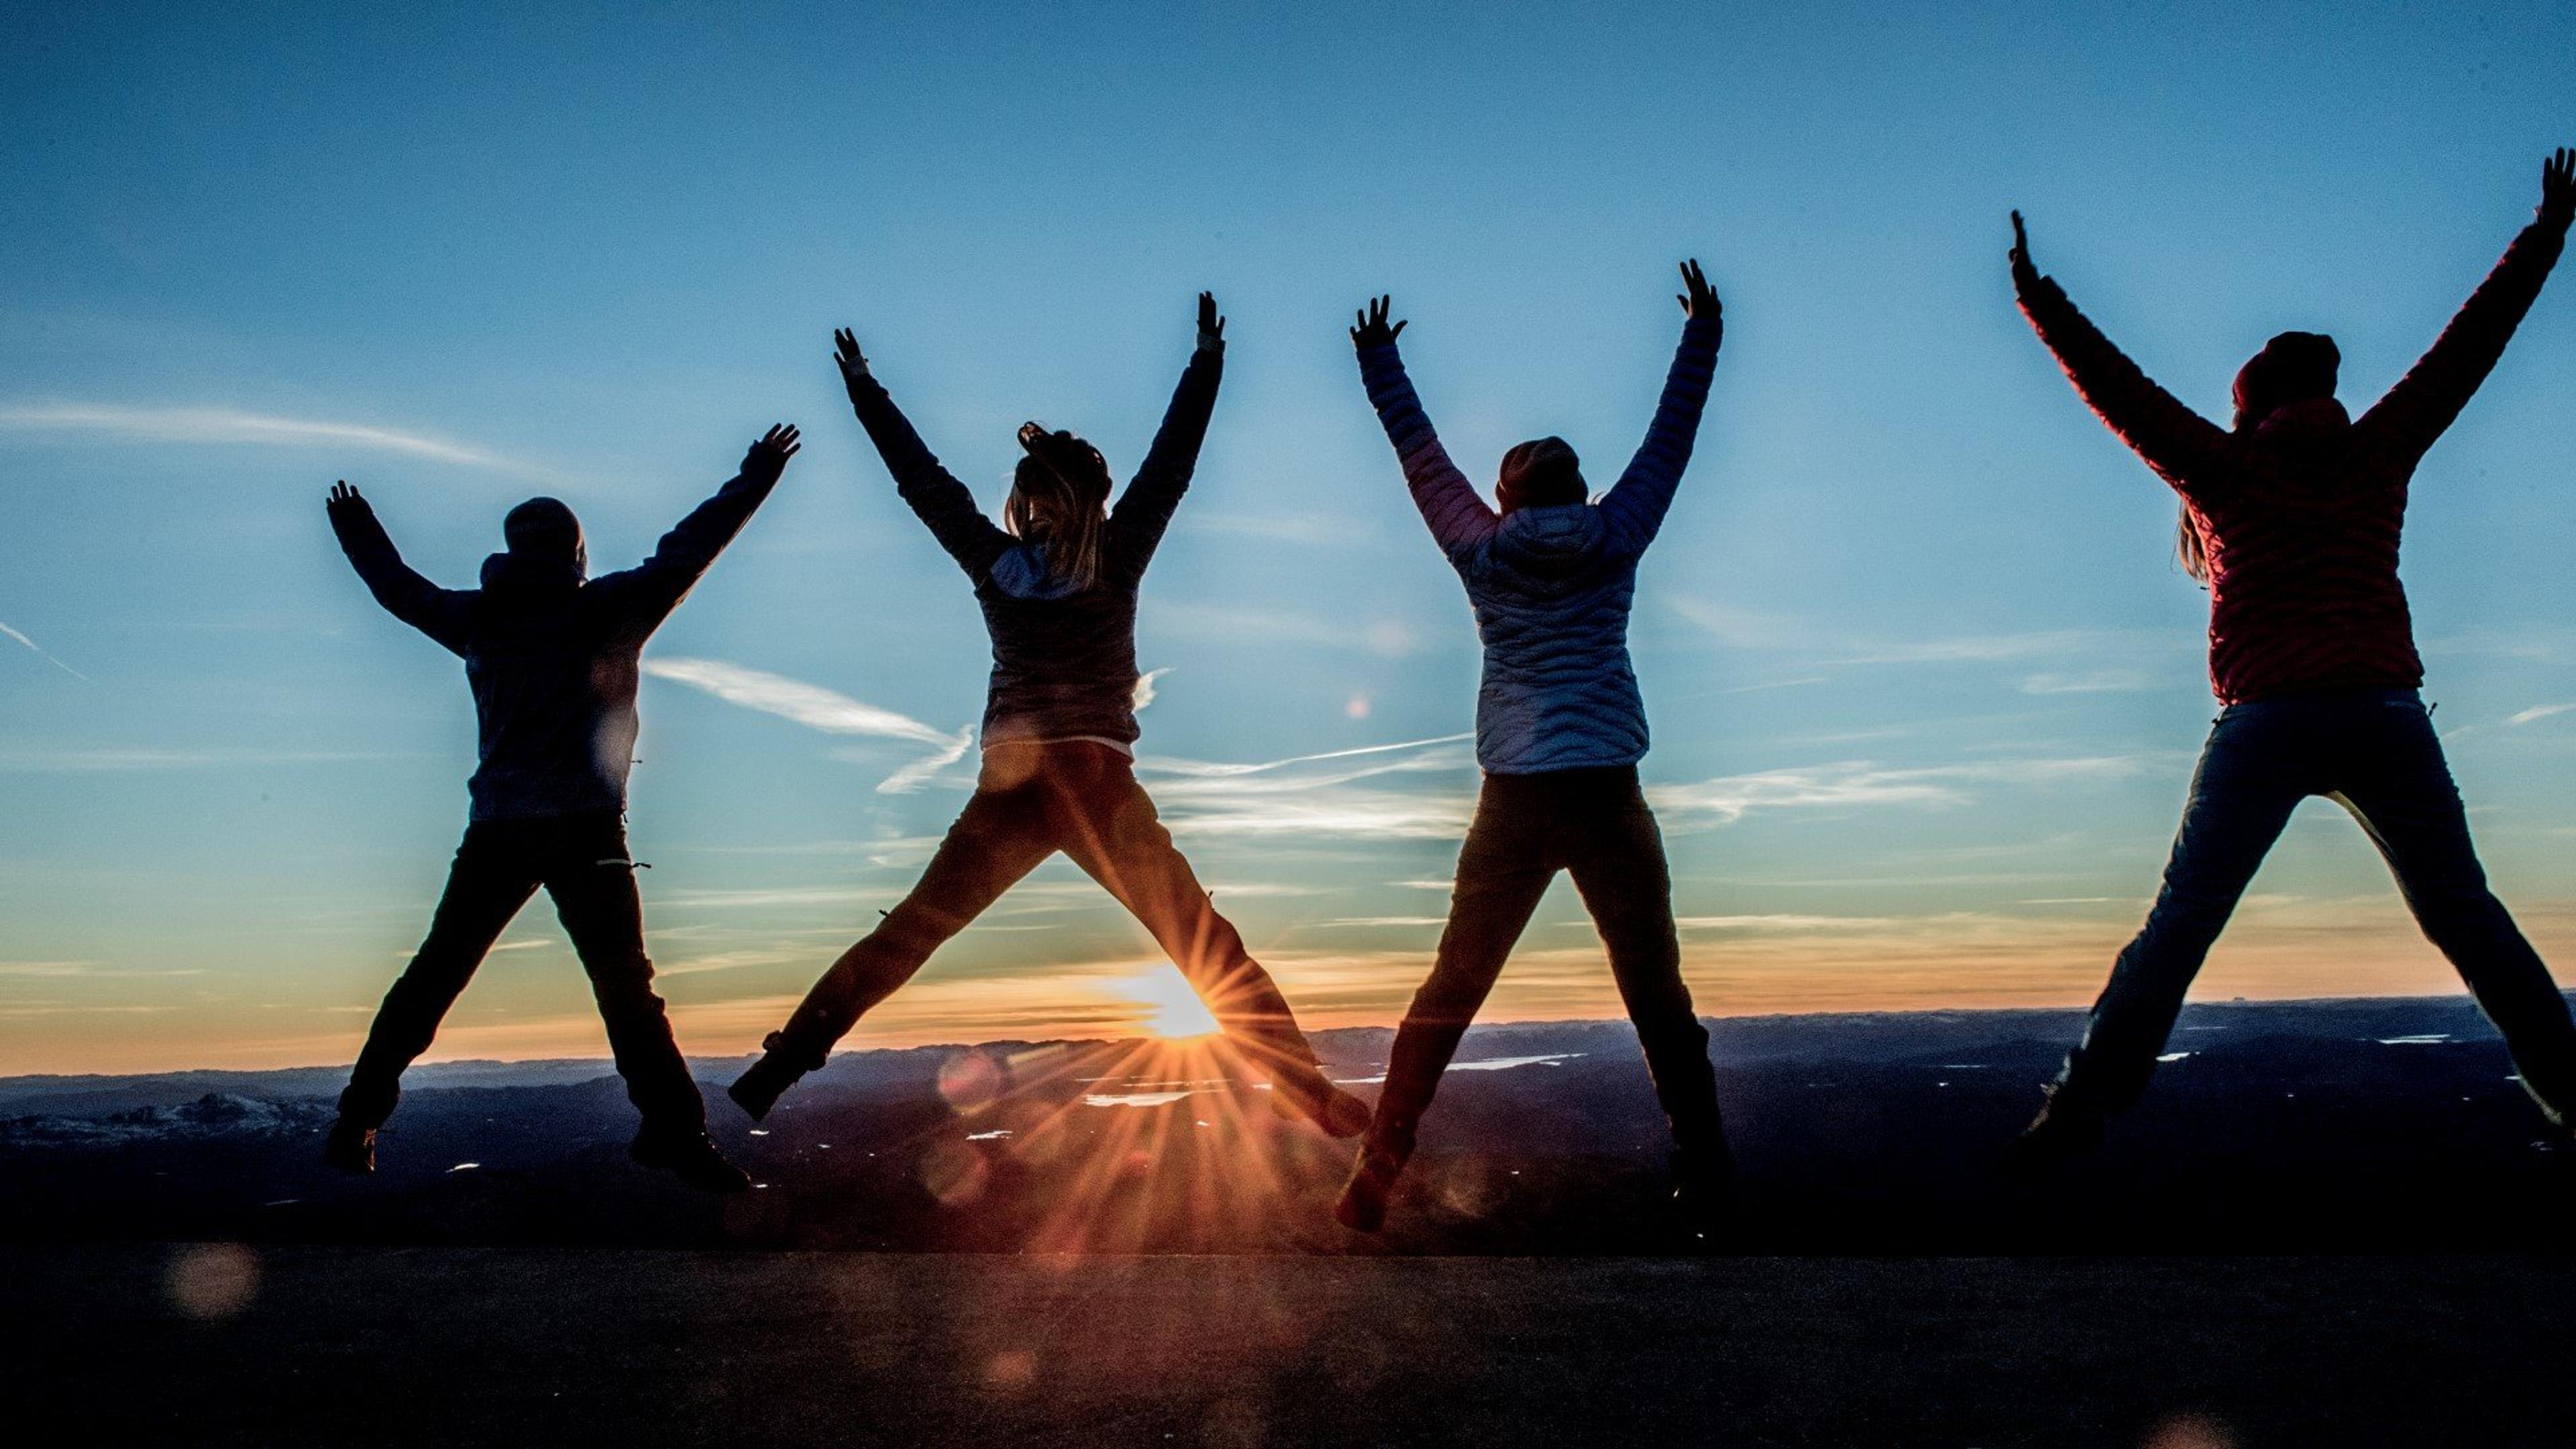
(582, 862)
(1596, 825)
(1031, 801)
(2375, 753)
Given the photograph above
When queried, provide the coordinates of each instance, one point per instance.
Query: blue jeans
(2374, 752)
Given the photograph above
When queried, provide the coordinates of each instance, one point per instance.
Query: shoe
(350, 1148)
(1362, 1205)
(757, 1090)
(691, 1156)
(1704, 1191)
(2064, 1130)
(1314, 1097)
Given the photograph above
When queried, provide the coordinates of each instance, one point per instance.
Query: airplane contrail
(45, 656)
(817, 708)
(233, 425)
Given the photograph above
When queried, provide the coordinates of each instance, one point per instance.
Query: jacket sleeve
(2422, 404)
(1459, 518)
(648, 592)
(1146, 508)
(933, 493)
(2175, 441)
(442, 614)
(1636, 504)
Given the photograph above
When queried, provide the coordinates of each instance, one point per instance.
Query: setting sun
(1172, 1009)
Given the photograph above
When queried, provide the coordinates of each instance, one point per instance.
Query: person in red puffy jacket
(2291, 516)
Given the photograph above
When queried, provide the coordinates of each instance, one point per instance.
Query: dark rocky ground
(2290, 1128)
(257, 1346)
(2360, 1228)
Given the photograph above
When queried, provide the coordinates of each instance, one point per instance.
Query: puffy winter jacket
(1064, 660)
(1552, 585)
(2300, 512)
(552, 658)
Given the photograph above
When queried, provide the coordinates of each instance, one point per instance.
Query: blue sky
(1925, 682)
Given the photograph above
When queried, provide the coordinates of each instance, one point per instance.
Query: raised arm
(2422, 404)
(1459, 517)
(1145, 509)
(934, 494)
(649, 591)
(436, 612)
(2175, 441)
(1635, 505)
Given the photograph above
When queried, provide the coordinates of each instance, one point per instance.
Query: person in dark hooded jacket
(1058, 591)
(2292, 518)
(1560, 728)
(552, 657)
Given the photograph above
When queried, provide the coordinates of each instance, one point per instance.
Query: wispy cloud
(2538, 711)
(233, 425)
(1319, 794)
(1387, 638)
(817, 708)
(1144, 692)
(43, 653)
(1827, 645)
(2093, 681)
(1856, 783)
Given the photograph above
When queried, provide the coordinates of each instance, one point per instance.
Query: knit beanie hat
(1539, 473)
(2291, 368)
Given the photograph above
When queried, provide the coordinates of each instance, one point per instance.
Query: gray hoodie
(1551, 586)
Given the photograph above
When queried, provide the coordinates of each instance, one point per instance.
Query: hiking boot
(2065, 1129)
(1362, 1205)
(1305, 1088)
(1704, 1191)
(350, 1148)
(757, 1090)
(691, 1156)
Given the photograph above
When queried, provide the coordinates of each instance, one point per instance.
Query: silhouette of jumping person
(1559, 730)
(2292, 518)
(552, 658)
(1058, 589)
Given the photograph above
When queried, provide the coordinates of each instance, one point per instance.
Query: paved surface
(227, 1345)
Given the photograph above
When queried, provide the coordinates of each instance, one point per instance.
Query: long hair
(1059, 497)
(2189, 548)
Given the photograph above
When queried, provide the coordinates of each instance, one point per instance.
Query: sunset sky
(1925, 681)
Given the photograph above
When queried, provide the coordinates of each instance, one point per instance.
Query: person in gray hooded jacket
(1560, 728)
(553, 658)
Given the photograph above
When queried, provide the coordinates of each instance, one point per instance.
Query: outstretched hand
(2023, 273)
(2558, 186)
(768, 457)
(1372, 329)
(1211, 326)
(345, 503)
(1699, 299)
(845, 351)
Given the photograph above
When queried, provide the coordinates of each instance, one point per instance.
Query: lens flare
(1173, 1010)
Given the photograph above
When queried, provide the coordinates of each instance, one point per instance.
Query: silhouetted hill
(2288, 1126)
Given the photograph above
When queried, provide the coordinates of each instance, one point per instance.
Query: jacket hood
(522, 576)
(2309, 420)
(1550, 539)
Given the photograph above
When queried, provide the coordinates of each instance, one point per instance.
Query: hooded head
(545, 549)
(1059, 495)
(543, 531)
(1538, 474)
(2293, 367)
